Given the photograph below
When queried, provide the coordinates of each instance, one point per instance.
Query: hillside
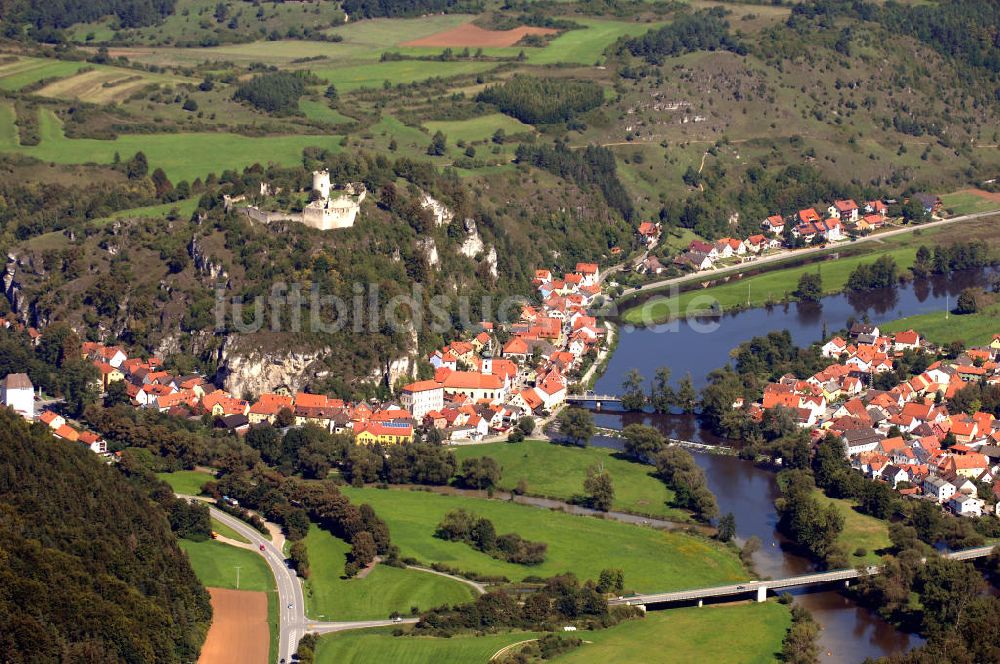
(90, 570)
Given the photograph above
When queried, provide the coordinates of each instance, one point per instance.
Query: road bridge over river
(760, 589)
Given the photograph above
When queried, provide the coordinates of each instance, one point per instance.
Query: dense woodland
(90, 569)
(64, 13)
(274, 92)
(395, 8)
(702, 30)
(536, 100)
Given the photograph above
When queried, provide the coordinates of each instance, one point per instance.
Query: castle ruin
(324, 213)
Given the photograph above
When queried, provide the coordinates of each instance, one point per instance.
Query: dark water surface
(850, 633)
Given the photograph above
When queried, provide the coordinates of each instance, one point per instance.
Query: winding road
(293, 623)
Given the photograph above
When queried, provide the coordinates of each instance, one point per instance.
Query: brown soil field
(475, 37)
(239, 632)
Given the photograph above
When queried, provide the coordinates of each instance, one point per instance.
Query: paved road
(798, 253)
(748, 587)
(292, 621)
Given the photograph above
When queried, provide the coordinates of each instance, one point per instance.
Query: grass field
(860, 531)
(384, 590)
(585, 46)
(941, 327)
(215, 564)
(188, 482)
(379, 645)
(181, 156)
(375, 74)
(226, 531)
(318, 111)
(477, 129)
(651, 559)
(25, 71)
(775, 285)
(753, 634)
(970, 201)
(104, 85)
(557, 471)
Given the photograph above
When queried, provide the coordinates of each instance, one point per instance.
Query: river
(850, 632)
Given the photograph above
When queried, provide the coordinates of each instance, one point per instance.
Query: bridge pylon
(761, 593)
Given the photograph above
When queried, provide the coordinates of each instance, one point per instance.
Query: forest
(396, 8)
(535, 100)
(274, 92)
(90, 569)
(64, 13)
(952, 28)
(705, 29)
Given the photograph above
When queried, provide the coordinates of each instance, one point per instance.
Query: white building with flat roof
(17, 392)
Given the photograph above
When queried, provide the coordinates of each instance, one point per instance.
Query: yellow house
(109, 374)
(386, 434)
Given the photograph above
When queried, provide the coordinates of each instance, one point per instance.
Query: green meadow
(375, 74)
(585, 46)
(187, 482)
(215, 565)
(860, 531)
(477, 129)
(181, 156)
(942, 327)
(752, 635)
(379, 645)
(319, 111)
(384, 590)
(558, 471)
(226, 531)
(651, 559)
(25, 71)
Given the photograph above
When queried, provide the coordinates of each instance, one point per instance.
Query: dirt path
(239, 632)
(503, 651)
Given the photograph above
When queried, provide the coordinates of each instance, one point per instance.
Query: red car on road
(261, 547)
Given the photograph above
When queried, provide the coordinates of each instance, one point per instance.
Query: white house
(834, 347)
(941, 489)
(965, 505)
(17, 392)
(422, 397)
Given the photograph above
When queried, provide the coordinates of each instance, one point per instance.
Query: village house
(387, 433)
(775, 224)
(938, 488)
(845, 211)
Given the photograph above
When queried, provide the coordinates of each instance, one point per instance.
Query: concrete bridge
(760, 589)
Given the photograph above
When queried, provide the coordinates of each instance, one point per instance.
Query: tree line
(65, 13)
(460, 525)
(273, 92)
(396, 8)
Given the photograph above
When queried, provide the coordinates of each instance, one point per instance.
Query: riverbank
(943, 327)
(776, 283)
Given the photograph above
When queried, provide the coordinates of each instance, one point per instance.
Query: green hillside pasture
(586, 46)
(380, 33)
(104, 85)
(558, 471)
(384, 590)
(318, 111)
(651, 559)
(477, 129)
(942, 327)
(379, 645)
(25, 71)
(215, 565)
(374, 74)
(187, 482)
(181, 156)
(969, 201)
(734, 634)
